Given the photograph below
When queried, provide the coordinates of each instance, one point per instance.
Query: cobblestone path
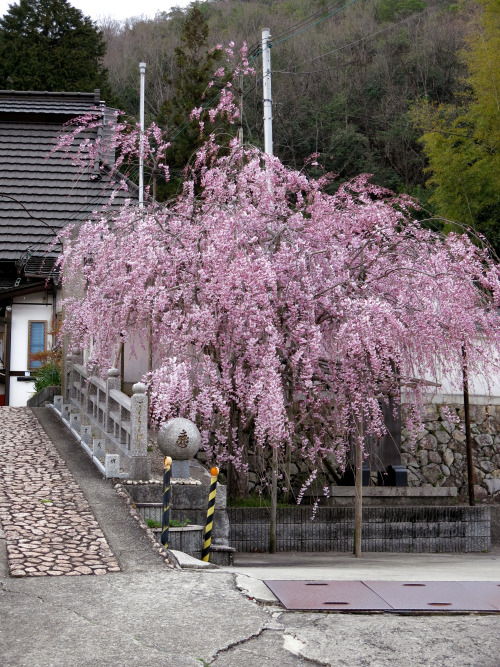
(49, 526)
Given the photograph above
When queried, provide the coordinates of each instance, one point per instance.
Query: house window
(37, 332)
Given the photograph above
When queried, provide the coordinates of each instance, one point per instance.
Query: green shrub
(47, 375)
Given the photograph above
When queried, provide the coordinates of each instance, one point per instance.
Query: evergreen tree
(50, 45)
(196, 65)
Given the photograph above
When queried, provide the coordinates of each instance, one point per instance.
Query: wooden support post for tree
(468, 438)
(358, 501)
(288, 463)
(274, 502)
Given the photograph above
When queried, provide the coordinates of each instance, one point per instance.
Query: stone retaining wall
(393, 529)
(439, 458)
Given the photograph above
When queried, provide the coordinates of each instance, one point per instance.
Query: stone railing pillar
(76, 357)
(113, 381)
(69, 376)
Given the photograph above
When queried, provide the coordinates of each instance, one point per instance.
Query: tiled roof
(40, 267)
(43, 102)
(7, 284)
(39, 194)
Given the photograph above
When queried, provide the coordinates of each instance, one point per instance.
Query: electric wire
(362, 39)
(317, 71)
(255, 49)
(330, 9)
(299, 32)
(299, 28)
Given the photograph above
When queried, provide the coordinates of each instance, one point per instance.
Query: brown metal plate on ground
(487, 591)
(403, 596)
(327, 595)
(430, 596)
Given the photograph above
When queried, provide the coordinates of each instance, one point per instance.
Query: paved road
(148, 613)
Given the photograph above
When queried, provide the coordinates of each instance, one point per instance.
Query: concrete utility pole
(268, 148)
(267, 99)
(240, 127)
(142, 70)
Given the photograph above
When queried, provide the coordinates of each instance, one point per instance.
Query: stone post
(99, 448)
(140, 464)
(58, 403)
(86, 434)
(74, 422)
(112, 465)
(139, 420)
(76, 357)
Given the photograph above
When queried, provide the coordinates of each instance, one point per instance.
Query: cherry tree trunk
(468, 437)
(274, 502)
(237, 476)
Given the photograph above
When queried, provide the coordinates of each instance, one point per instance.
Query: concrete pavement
(148, 613)
(251, 569)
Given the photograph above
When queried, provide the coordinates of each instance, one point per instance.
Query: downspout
(8, 329)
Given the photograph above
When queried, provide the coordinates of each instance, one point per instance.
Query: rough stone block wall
(439, 457)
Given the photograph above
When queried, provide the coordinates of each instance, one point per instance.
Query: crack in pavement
(232, 645)
(288, 646)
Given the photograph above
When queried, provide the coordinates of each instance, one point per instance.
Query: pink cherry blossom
(276, 311)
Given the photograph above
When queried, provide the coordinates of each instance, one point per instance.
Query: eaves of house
(40, 193)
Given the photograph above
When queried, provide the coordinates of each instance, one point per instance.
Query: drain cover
(415, 596)
(487, 591)
(327, 595)
(429, 596)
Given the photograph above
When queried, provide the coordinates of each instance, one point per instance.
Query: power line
(298, 28)
(298, 32)
(317, 71)
(374, 34)
(330, 9)
(256, 49)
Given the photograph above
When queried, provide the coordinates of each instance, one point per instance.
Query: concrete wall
(44, 397)
(391, 529)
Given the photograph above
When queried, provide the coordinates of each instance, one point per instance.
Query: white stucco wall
(136, 365)
(30, 307)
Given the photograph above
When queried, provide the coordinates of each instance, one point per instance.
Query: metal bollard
(165, 518)
(210, 514)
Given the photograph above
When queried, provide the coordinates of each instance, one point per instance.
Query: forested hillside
(406, 90)
(343, 88)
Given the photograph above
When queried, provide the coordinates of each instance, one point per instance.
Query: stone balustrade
(111, 426)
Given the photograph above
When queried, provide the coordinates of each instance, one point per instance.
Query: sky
(117, 9)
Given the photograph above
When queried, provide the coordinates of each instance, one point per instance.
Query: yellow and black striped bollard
(165, 517)
(210, 514)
